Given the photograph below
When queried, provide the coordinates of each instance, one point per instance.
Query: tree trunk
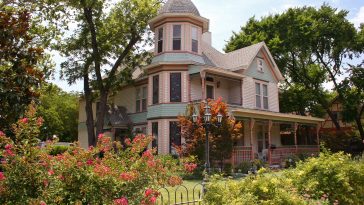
(334, 120)
(101, 111)
(358, 122)
(89, 111)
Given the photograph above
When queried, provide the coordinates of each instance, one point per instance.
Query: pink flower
(2, 133)
(127, 141)
(100, 136)
(90, 162)
(50, 172)
(148, 154)
(2, 177)
(40, 121)
(148, 192)
(24, 120)
(42, 203)
(151, 163)
(121, 201)
(126, 176)
(153, 199)
(190, 167)
(8, 146)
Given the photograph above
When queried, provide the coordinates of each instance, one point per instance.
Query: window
(156, 89)
(174, 137)
(260, 65)
(160, 40)
(194, 39)
(261, 96)
(265, 97)
(209, 91)
(175, 87)
(155, 135)
(141, 99)
(177, 36)
(258, 102)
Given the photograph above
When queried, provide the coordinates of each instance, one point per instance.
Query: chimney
(206, 37)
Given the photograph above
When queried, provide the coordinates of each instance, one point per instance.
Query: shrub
(105, 174)
(260, 189)
(244, 167)
(57, 149)
(333, 176)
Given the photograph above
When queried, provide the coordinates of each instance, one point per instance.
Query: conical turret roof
(179, 6)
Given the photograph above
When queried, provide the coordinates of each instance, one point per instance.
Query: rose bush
(106, 174)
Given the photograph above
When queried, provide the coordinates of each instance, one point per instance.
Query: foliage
(309, 45)
(106, 174)
(220, 138)
(59, 110)
(335, 176)
(19, 71)
(244, 167)
(105, 48)
(260, 189)
(57, 149)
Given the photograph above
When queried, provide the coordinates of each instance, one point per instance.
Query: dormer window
(160, 40)
(194, 35)
(177, 36)
(260, 65)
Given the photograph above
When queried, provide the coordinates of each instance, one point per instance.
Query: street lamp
(206, 125)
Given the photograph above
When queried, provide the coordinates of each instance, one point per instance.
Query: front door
(260, 139)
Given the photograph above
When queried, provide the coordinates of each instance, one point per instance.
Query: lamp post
(207, 123)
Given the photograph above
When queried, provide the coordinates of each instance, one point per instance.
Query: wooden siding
(137, 118)
(166, 110)
(126, 97)
(273, 98)
(266, 75)
(196, 89)
(248, 93)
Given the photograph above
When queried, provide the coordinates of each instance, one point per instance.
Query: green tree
(19, 71)
(105, 48)
(59, 111)
(309, 46)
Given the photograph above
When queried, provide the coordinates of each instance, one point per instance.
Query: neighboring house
(337, 109)
(187, 69)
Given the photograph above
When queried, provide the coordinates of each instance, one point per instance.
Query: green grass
(175, 193)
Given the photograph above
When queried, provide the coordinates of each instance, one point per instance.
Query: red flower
(151, 163)
(2, 177)
(40, 121)
(90, 162)
(190, 167)
(127, 141)
(8, 146)
(42, 203)
(100, 136)
(148, 154)
(126, 176)
(153, 199)
(148, 192)
(24, 120)
(1, 134)
(50, 172)
(121, 201)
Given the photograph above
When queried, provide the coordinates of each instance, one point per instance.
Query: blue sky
(227, 16)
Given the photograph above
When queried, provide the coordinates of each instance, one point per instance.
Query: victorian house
(187, 69)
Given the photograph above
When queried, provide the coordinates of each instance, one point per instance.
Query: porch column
(251, 126)
(295, 136)
(270, 124)
(203, 84)
(241, 92)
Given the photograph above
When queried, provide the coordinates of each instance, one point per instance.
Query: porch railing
(279, 154)
(241, 154)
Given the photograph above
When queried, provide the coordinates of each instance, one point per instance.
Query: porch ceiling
(274, 116)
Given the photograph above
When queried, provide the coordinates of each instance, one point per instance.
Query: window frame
(261, 96)
(176, 38)
(155, 89)
(260, 65)
(171, 88)
(213, 90)
(170, 133)
(141, 99)
(160, 40)
(194, 40)
(155, 133)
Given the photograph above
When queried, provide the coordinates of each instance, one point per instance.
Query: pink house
(187, 69)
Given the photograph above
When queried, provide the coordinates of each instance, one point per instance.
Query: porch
(273, 137)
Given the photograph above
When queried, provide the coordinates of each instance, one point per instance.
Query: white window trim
(260, 67)
(197, 39)
(141, 98)
(261, 83)
(182, 36)
(163, 40)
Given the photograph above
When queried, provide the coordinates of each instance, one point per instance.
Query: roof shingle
(179, 6)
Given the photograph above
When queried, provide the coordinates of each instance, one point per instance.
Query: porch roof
(274, 116)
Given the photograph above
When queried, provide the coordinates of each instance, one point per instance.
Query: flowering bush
(106, 174)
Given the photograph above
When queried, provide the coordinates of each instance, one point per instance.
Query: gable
(267, 73)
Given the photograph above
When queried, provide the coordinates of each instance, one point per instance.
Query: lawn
(189, 191)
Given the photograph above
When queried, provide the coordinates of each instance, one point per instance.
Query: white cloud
(359, 18)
